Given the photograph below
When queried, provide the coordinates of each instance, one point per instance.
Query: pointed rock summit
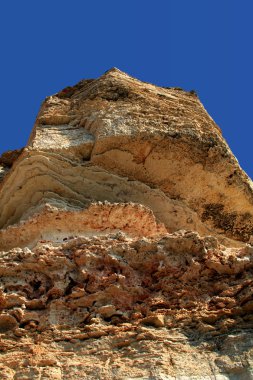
(126, 227)
(121, 128)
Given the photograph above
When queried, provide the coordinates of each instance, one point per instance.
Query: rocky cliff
(125, 239)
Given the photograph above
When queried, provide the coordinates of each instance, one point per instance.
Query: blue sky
(204, 45)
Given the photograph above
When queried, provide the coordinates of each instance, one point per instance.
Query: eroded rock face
(125, 240)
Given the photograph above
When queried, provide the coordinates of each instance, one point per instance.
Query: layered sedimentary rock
(125, 238)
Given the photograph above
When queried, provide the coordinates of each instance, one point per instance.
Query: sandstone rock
(154, 320)
(7, 322)
(126, 212)
(107, 311)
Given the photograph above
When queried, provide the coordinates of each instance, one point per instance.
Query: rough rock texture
(126, 230)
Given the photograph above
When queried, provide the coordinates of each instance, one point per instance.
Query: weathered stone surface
(140, 133)
(7, 159)
(125, 240)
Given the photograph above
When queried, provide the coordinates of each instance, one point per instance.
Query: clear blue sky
(204, 45)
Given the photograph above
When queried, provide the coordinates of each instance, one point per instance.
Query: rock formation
(126, 226)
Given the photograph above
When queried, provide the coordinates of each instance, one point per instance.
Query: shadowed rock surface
(126, 226)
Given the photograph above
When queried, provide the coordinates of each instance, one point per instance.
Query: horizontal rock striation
(126, 230)
(160, 137)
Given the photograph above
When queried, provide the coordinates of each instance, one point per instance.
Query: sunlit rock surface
(126, 230)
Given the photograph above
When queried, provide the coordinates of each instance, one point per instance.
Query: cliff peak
(126, 230)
